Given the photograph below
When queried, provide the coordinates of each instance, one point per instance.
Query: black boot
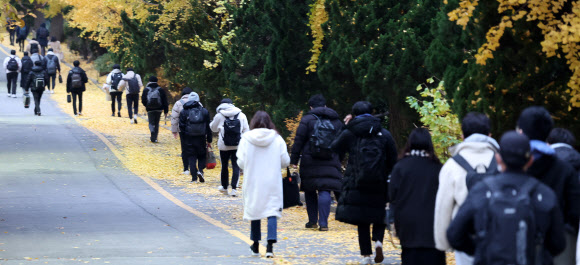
(255, 248)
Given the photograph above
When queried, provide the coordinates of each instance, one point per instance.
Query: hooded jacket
(568, 154)
(177, 108)
(194, 145)
(109, 81)
(547, 216)
(477, 149)
(37, 71)
(364, 203)
(227, 111)
(316, 174)
(124, 85)
(7, 59)
(84, 79)
(43, 40)
(164, 104)
(262, 153)
(52, 56)
(30, 42)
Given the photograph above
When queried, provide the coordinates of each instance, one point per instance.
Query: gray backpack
(154, 98)
(51, 64)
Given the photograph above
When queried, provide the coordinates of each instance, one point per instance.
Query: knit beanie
(186, 91)
(153, 79)
(536, 123)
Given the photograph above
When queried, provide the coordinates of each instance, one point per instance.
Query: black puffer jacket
(37, 72)
(316, 174)
(568, 154)
(164, 104)
(194, 145)
(563, 179)
(363, 197)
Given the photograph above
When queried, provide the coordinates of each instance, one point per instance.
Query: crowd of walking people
(516, 201)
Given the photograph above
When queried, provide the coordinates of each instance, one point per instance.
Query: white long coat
(262, 154)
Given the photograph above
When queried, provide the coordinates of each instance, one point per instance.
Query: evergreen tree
(266, 63)
(374, 50)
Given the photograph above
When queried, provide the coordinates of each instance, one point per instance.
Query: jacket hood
(190, 104)
(37, 68)
(52, 53)
(152, 85)
(364, 126)
(130, 74)
(325, 112)
(261, 136)
(115, 71)
(185, 97)
(476, 144)
(228, 110)
(480, 138)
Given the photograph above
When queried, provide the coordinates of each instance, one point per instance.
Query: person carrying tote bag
(262, 153)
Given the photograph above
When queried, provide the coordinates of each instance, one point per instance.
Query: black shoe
(113, 115)
(323, 228)
(135, 120)
(200, 176)
(311, 225)
(118, 114)
(270, 250)
(255, 248)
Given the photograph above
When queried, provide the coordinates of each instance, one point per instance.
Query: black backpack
(323, 135)
(22, 33)
(154, 98)
(38, 81)
(506, 226)
(472, 176)
(195, 125)
(76, 79)
(12, 64)
(34, 48)
(133, 85)
(370, 161)
(27, 64)
(115, 79)
(232, 131)
(43, 33)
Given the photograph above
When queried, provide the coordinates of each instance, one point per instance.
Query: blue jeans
(318, 207)
(256, 233)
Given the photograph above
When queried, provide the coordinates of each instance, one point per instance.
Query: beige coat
(56, 49)
(452, 190)
(28, 46)
(177, 108)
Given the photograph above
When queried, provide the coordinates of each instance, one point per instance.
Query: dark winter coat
(164, 103)
(471, 214)
(42, 35)
(412, 191)
(194, 145)
(563, 179)
(358, 203)
(37, 71)
(568, 154)
(84, 78)
(316, 174)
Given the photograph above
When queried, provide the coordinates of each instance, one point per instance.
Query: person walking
(11, 27)
(42, 35)
(196, 134)
(21, 35)
(33, 46)
(12, 66)
(562, 141)
(35, 83)
(536, 123)
(132, 84)
(512, 218)
(27, 65)
(412, 191)
(230, 123)
(34, 56)
(363, 199)
(320, 168)
(478, 149)
(113, 79)
(75, 84)
(155, 101)
(175, 111)
(52, 67)
(261, 154)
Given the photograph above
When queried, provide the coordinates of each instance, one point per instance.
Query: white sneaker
(80, 114)
(9, 95)
(132, 121)
(14, 95)
(222, 190)
(366, 260)
(185, 172)
(233, 193)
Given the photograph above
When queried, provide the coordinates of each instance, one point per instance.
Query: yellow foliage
(561, 31)
(292, 126)
(318, 16)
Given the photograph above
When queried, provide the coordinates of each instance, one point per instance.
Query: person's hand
(294, 166)
(175, 135)
(347, 118)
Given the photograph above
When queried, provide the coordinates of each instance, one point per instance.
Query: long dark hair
(262, 120)
(420, 140)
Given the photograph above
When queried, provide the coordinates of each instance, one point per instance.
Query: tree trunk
(57, 27)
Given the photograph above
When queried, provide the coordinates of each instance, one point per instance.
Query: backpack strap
(492, 165)
(528, 186)
(463, 163)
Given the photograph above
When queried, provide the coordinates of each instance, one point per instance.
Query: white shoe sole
(269, 255)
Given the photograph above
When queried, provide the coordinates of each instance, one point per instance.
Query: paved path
(66, 199)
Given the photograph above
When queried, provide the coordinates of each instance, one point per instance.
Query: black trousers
(184, 157)
(53, 82)
(43, 50)
(12, 36)
(12, 77)
(74, 101)
(364, 237)
(23, 78)
(154, 118)
(225, 156)
(37, 96)
(116, 96)
(132, 104)
(420, 256)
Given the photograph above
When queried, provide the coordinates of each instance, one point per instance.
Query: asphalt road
(66, 199)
